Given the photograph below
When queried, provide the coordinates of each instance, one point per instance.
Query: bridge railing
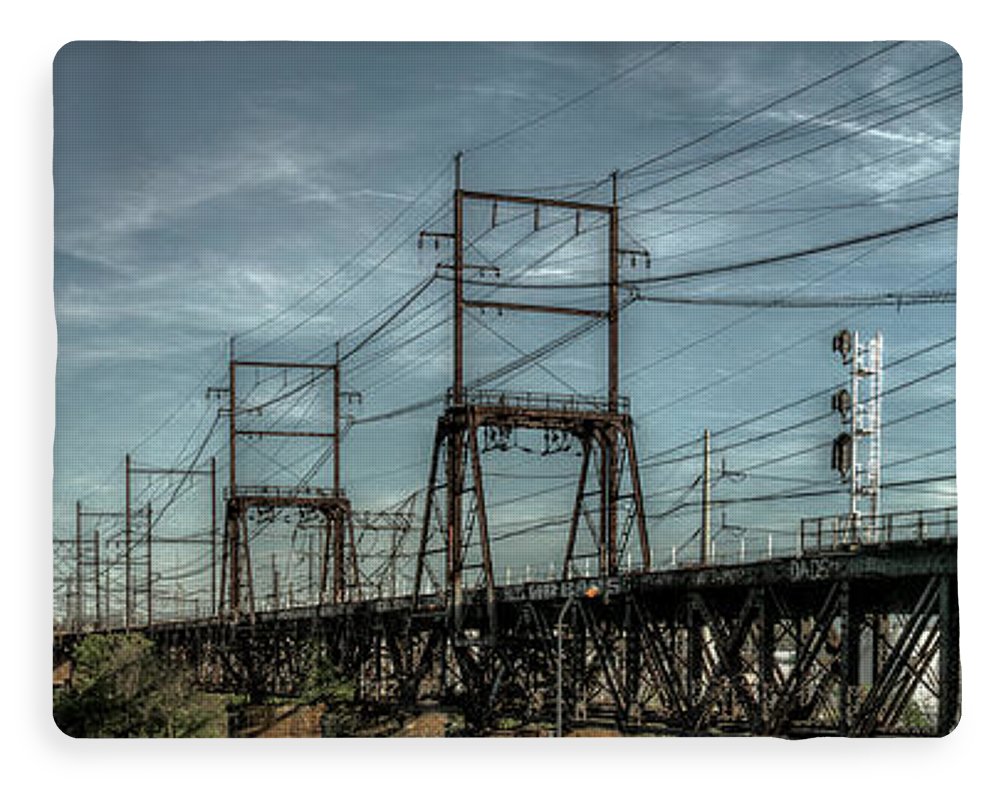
(552, 402)
(825, 533)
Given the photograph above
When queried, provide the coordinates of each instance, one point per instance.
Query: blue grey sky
(273, 192)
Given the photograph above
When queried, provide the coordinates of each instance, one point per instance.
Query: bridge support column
(632, 661)
(765, 660)
(949, 669)
(695, 654)
(849, 658)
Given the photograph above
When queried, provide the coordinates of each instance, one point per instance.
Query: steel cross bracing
(603, 428)
(242, 501)
(858, 643)
(851, 638)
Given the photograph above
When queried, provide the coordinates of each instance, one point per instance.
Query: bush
(120, 687)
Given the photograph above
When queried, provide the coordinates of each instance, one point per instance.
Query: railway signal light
(843, 455)
(842, 342)
(842, 403)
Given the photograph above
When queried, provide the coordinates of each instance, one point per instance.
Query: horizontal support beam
(110, 514)
(521, 306)
(533, 201)
(286, 501)
(263, 433)
(265, 364)
(166, 471)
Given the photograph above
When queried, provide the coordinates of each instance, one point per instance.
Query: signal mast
(857, 450)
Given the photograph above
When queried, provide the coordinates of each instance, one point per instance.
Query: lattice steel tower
(858, 452)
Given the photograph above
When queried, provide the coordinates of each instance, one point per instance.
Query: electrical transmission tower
(857, 451)
(329, 505)
(475, 420)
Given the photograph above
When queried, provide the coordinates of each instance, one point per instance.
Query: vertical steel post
(765, 661)
(149, 564)
(458, 256)
(604, 551)
(324, 559)
(855, 426)
(338, 520)
(78, 614)
(640, 508)
(311, 580)
(128, 542)
(246, 553)
(97, 579)
(275, 582)
(581, 488)
(559, 664)
(456, 445)
(484, 537)
(233, 515)
(69, 601)
(850, 655)
(695, 654)
(425, 523)
(611, 453)
(949, 669)
(214, 591)
(706, 500)
(336, 423)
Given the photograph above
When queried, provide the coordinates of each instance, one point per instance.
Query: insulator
(648, 261)
(494, 221)
(538, 217)
(578, 219)
(420, 242)
(633, 262)
(437, 243)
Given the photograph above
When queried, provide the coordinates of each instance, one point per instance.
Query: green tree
(120, 687)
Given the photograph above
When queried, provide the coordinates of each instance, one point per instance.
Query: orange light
(592, 592)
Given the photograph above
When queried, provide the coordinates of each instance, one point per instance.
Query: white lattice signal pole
(857, 453)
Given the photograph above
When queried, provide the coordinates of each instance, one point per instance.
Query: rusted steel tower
(236, 594)
(602, 426)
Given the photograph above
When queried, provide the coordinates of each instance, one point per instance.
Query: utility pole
(213, 603)
(233, 518)
(128, 542)
(149, 564)
(610, 455)
(312, 578)
(97, 579)
(338, 518)
(706, 501)
(274, 582)
(79, 568)
(69, 601)
(456, 449)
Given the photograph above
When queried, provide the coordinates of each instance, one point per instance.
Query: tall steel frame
(603, 427)
(237, 598)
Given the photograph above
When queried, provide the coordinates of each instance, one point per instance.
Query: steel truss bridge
(852, 636)
(854, 633)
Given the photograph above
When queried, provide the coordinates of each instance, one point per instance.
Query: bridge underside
(861, 643)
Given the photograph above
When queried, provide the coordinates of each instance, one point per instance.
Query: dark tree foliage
(121, 687)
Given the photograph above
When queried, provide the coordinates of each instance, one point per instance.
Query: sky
(272, 193)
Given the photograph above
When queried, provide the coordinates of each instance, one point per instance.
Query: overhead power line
(889, 299)
(760, 110)
(574, 100)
